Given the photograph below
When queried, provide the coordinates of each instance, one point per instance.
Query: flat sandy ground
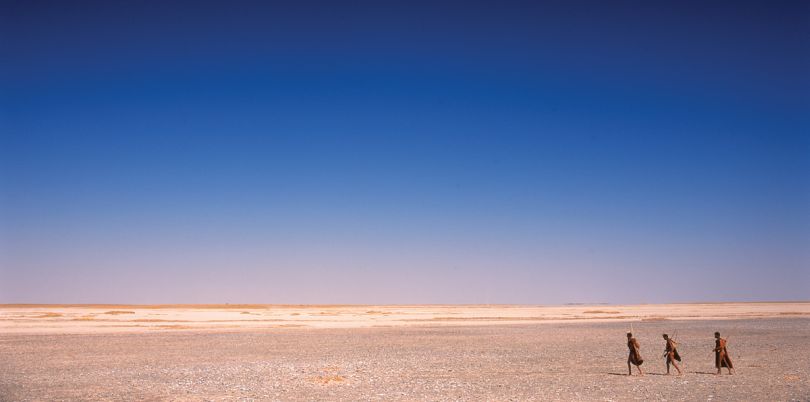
(487, 353)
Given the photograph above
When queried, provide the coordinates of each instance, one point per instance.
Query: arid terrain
(261, 352)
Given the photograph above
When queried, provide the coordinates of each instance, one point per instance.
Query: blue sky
(404, 152)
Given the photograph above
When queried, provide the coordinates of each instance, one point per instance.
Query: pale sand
(85, 319)
(573, 360)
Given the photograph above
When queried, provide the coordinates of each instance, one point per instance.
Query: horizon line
(304, 305)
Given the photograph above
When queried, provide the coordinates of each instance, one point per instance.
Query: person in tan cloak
(671, 353)
(635, 356)
(721, 357)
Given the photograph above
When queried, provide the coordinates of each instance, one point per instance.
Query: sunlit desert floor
(263, 352)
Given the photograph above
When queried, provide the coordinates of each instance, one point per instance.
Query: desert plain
(354, 352)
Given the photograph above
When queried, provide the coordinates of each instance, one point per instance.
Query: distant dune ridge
(75, 318)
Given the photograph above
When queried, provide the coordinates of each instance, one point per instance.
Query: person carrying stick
(635, 355)
(721, 357)
(671, 353)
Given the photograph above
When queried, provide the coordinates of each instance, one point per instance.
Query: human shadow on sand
(635, 375)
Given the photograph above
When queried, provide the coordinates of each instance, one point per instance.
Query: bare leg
(723, 362)
(629, 368)
(667, 366)
(676, 368)
(639, 370)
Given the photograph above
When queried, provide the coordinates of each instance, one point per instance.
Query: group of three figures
(721, 357)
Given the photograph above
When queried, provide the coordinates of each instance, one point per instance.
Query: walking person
(671, 353)
(634, 357)
(721, 357)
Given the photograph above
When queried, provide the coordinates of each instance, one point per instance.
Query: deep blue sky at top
(404, 152)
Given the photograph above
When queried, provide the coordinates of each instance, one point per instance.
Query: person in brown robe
(635, 355)
(721, 357)
(671, 353)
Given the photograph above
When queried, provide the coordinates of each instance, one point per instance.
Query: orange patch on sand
(329, 378)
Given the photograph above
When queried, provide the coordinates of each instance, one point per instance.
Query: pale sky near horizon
(404, 152)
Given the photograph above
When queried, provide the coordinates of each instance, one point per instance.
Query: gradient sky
(404, 152)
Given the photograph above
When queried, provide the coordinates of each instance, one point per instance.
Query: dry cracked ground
(576, 361)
